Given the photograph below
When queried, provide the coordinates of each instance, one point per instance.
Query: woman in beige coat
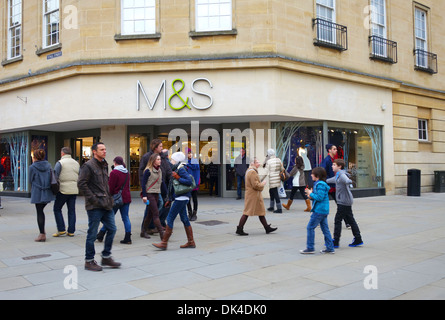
(254, 204)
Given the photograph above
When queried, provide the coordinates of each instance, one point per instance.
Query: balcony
(383, 49)
(330, 35)
(425, 61)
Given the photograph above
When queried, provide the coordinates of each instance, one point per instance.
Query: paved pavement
(403, 256)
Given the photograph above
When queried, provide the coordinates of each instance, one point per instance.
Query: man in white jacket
(274, 166)
(67, 172)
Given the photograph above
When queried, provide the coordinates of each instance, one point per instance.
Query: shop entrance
(81, 148)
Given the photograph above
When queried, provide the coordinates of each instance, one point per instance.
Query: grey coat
(40, 178)
(343, 193)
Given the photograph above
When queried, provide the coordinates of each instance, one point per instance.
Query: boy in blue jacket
(320, 211)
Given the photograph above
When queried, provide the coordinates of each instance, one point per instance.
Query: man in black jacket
(93, 183)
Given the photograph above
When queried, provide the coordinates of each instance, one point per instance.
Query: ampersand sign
(177, 93)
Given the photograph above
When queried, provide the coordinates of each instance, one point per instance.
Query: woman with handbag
(180, 192)
(151, 188)
(40, 178)
(119, 184)
(298, 184)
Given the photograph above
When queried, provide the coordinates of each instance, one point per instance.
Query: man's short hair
(66, 150)
(155, 143)
(94, 147)
(340, 163)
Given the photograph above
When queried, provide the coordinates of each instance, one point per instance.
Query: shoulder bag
(55, 185)
(180, 188)
(117, 198)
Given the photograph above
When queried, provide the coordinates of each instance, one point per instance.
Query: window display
(359, 145)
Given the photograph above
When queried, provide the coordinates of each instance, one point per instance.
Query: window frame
(218, 29)
(146, 33)
(379, 49)
(422, 130)
(45, 36)
(326, 31)
(19, 26)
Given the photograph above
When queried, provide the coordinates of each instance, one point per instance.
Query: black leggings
(294, 191)
(244, 218)
(41, 216)
(195, 201)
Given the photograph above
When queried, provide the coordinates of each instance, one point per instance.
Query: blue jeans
(322, 220)
(178, 207)
(239, 181)
(124, 209)
(70, 200)
(95, 217)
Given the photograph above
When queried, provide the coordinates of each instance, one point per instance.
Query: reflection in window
(15, 158)
(358, 145)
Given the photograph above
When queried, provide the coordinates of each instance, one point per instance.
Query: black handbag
(55, 185)
(117, 198)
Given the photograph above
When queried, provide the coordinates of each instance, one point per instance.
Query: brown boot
(190, 242)
(308, 204)
(287, 206)
(164, 242)
(41, 238)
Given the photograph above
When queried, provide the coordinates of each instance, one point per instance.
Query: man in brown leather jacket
(93, 184)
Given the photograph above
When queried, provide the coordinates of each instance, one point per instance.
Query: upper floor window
(423, 130)
(326, 29)
(378, 18)
(326, 10)
(138, 17)
(51, 22)
(14, 29)
(421, 36)
(213, 15)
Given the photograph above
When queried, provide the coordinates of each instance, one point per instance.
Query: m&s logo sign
(176, 100)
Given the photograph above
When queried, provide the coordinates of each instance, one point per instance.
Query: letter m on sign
(140, 89)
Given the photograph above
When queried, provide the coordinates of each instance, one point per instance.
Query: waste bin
(414, 182)
(439, 181)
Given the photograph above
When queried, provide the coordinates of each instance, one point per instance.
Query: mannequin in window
(303, 152)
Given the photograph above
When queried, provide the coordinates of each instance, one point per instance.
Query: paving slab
(403, 238)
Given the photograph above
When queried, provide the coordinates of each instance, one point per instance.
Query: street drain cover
(211, 222)
(41, 256)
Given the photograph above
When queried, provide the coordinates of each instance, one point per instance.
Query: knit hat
(178, 157)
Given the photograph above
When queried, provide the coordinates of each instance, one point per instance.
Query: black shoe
(336, 243)
(100, 236)
(193, 216)
(356, 242)
(238, 198)
(241, 232)
(127, 238)
(278, 211)
(270, 209)
(269, 229)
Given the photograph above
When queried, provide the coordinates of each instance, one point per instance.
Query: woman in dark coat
(41, 194)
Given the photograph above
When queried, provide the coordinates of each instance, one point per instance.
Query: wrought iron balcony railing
(329, 34)
(425, 61)
(383, 49)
